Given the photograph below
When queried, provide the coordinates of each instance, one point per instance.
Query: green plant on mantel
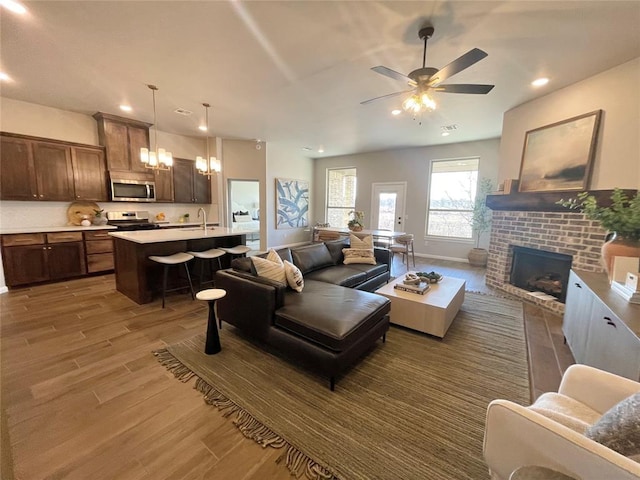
(481, 215)
(621, 217)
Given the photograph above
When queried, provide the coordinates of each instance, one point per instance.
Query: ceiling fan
(426, 80)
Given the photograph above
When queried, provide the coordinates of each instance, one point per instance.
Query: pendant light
(158, 158)
(207, 165)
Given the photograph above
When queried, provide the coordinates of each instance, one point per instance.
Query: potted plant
(480, 223)
(621, 219)
(357, 221)
(98, 217)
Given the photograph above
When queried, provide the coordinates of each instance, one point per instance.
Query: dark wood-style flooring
(82, 397)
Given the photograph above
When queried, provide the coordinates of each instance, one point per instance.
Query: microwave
(132, 191)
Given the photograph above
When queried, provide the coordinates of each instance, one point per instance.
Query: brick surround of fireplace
(569, 233)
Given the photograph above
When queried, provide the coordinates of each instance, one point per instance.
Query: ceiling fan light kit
(426, 80)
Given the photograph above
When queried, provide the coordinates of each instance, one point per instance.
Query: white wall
(617, 93)
(411, 165)
(286, 161)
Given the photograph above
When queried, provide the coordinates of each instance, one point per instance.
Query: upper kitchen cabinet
(33, 168)
(188, 185)
(17, 171)
(54, 171)
(89, 174)
(123, 138)
(164, 185)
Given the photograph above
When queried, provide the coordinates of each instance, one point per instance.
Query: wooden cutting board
(77, 211)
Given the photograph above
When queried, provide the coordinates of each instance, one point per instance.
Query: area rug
(413, 408)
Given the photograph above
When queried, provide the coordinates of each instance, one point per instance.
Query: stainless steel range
(130, 220)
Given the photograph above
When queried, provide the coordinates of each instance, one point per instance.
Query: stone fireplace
(566, 233)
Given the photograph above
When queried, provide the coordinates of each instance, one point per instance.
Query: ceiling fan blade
(459, 64)
(464, 88)
(387, 72)
(385, 96)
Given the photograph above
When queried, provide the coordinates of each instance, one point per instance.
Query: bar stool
(212, 344)
(180, 258)
(206, 257)
(237, 251)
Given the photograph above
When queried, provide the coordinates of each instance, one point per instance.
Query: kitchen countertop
(160, 235)
(66, 228)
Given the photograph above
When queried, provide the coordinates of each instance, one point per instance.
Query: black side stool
(212, 344)
(169, 261)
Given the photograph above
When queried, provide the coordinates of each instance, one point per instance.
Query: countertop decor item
(356, 223)
(621, 219)
(98, 217)
(81, 210)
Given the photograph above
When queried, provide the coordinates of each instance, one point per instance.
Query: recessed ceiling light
(13, 6)
(445, 134)
(321, 150)
(4, 77)
(396, 112)
(202, 128)
(125, 108)
(539, 82)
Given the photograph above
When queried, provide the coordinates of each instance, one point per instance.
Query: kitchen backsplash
(53, 214)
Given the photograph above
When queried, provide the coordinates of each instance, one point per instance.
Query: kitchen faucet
(204, 218)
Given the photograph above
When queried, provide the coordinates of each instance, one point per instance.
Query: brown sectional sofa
(327, 327)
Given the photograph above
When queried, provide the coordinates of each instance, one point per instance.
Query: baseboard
(442, 257)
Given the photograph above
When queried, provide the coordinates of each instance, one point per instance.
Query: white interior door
(387, 206)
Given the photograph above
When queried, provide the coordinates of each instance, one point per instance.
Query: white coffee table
(430, 313)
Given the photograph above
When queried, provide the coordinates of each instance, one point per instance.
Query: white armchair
(517, 435)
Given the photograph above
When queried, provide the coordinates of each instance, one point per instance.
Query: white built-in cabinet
(600, 326)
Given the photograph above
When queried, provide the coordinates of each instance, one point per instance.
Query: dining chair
(403, 244)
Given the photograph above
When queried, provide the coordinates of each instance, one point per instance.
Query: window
(341, 195)
(452, 192)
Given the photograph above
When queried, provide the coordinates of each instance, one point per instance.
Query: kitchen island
(139, 278)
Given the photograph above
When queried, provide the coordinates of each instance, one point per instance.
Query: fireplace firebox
(541, 271)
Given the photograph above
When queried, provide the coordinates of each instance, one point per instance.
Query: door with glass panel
(387, 206)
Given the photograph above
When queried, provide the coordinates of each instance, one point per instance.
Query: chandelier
(207, 165)
(158, 158)
(419, 102)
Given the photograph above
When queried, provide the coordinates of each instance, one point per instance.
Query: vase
(99, 220)
(356, 228)
(478, 257)
(618, 247)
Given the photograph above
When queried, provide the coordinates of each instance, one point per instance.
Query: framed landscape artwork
(559, 156)
(292, 203)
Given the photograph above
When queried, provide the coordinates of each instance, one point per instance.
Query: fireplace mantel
(545, 201)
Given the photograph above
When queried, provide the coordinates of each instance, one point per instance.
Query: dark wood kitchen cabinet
(17, 170)
(39, 257)
(123, 138)
(54, 171)
(33, 168)
(189, 186)
(89, 174)
(164, 185)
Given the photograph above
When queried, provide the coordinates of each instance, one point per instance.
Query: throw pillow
(294, 276)
(270, 267)
(358, 255)
(356, 242)
(619, 427)
(242, 218)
